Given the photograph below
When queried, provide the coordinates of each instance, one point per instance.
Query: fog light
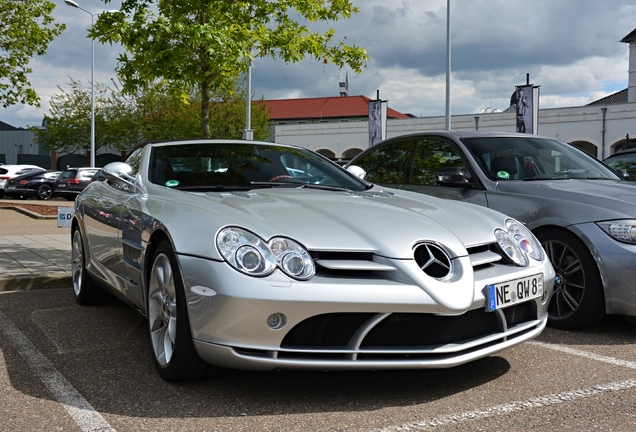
(276, 321)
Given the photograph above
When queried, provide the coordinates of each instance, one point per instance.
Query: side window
(387, 163)
(431, 154)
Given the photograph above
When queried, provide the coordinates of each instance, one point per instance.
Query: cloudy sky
(571, 48)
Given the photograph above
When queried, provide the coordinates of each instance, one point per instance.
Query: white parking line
(509, 408)
(541, 401)
(589, 355)
(84, 415)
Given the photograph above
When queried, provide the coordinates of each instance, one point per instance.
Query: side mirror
(119, 171)
(624, 174)
(452, 176)
(357, 171)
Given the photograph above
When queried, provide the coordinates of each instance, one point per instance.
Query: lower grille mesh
(402, 329)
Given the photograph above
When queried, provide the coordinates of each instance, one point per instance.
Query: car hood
(386, 222)
(583, 200)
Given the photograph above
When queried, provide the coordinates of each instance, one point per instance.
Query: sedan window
(387, 164)
(516, 158)
(430, 155)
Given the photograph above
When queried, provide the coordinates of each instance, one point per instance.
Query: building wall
(15, 142)
(599, 130)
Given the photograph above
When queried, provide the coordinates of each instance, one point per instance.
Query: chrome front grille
(432, 258)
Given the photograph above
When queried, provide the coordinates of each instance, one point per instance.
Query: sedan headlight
(621, 230)
(251, 255)
(518, 243)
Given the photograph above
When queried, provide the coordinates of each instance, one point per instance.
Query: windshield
(240, 166)
(533, 158)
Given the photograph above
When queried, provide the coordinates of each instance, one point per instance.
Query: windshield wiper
(297, 184)
(213, 188)
(324, 187)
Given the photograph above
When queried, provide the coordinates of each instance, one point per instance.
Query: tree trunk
(205, 110)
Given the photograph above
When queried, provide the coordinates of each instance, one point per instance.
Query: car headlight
(518, 243)
(621, 230)
(249, 254)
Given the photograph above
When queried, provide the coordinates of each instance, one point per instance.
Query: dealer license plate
(510, 293)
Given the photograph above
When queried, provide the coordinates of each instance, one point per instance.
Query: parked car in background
(625, 161)
(72, 181)
(236, 263)
(39, 184)
(9, 171)
(583, 213)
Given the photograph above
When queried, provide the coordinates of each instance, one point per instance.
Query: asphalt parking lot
(69, 367)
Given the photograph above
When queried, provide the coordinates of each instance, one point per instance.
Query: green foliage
(123, 121)
(68, 124)
(203, 47)
(27, 30)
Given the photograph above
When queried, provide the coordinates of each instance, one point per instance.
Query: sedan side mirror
(452, 176)
(624, 174)
(357, 171)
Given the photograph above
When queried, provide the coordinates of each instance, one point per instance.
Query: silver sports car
(259, 256)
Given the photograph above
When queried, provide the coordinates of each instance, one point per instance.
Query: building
(18, 146)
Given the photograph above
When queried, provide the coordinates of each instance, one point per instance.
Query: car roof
(621, 152)
(470, 134)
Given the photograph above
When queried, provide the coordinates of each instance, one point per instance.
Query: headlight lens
(621, 230)
(518, 243)
(250, 254)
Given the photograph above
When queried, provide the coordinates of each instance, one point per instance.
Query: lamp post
(75, 5)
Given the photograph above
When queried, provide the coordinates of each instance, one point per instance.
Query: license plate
(61, 185)
(11, 187)
(510, 293)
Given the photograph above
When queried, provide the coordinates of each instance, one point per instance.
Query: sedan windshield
(243, 166)
(533, 158)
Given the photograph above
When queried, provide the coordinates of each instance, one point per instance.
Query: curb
(36, 282)
(27, 212)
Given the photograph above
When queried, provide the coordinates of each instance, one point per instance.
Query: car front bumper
(334, 322)
(617, 265)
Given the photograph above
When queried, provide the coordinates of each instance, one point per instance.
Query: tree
(27, 31)
(122, 120)
(199, 46)
(159, 115)
(68, 123)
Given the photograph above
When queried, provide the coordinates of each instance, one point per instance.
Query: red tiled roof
(325, 107)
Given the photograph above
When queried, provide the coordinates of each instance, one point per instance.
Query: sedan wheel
(578, 299)
(173, 351)
(85, 290)
(45, 192)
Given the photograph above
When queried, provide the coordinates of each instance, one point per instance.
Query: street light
(75, 5)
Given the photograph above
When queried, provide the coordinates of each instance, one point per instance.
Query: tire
(85, 289)
(173, 351)
(45, 192)
(578, 300)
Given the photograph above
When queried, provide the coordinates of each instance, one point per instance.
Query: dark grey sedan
(583, 213)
